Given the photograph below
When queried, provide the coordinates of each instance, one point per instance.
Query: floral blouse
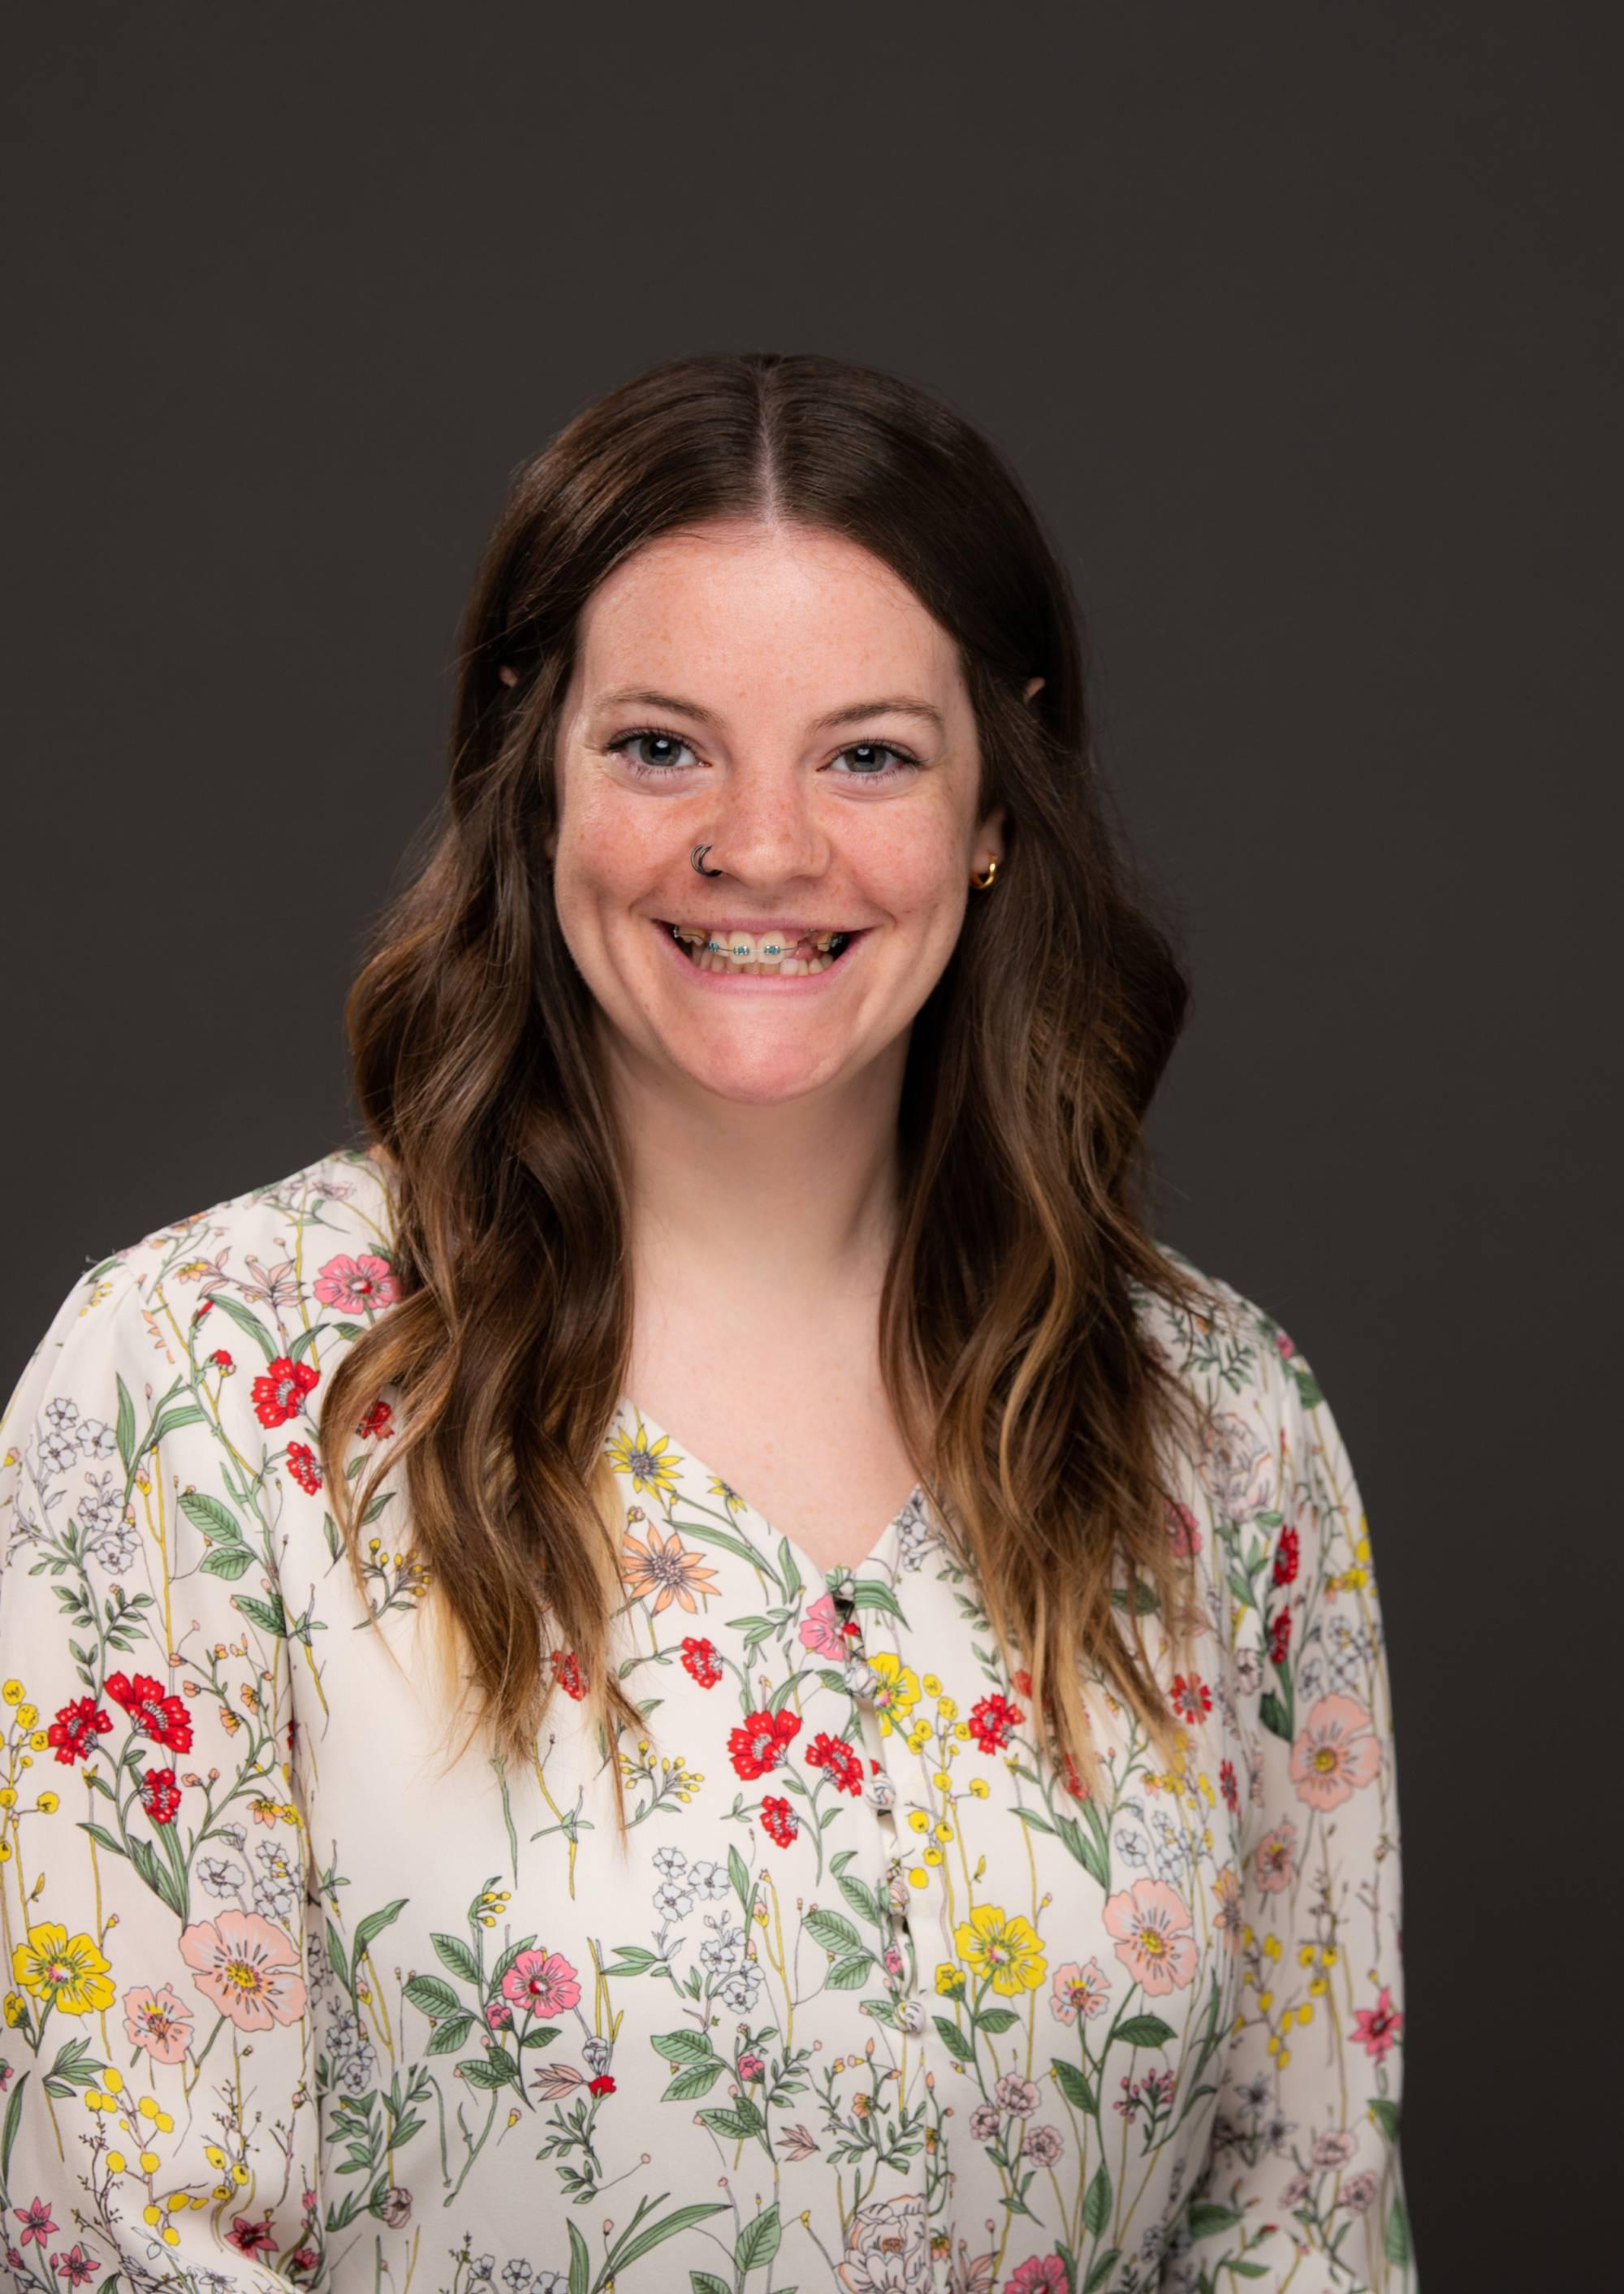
(877, 2001)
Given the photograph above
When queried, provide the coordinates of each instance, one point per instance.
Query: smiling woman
(499, 1842)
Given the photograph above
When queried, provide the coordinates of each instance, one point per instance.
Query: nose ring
(697, 860)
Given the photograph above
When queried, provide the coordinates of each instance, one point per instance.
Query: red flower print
(779, 1821)
(1377, 2027)
(1023, 1683)
(76, 2266)
(160, 1795)
(163, 1718)
(840, 1758)
(376, 1424)
(567, 1673)
(602, 2085)
(302, 1465)
(700, 1660)
(992, 1720)
(222, 1360)
(75, 1726)
(251, 2237)
(1228, 1785)
(1192, 1699)
(36, 2220)
(1279, 1637)
(1286, 1557)
(762, 1743)
(1075, 1785)
(355, 1285)
(280, 1392)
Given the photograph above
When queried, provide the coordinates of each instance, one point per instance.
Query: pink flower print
(1080, 1990)
(1275, 1860)
(1183, 1532)
(498, 2014)
(158, 2021)
(1041, 2273)
(1017, 2095)
(36, 2219)
(1334, 2148)
(248, 1968)
(352, 1285)
(1359, 2192)
(1151, 1924)
(1335, 1754)
(1377, 2027)
(76, 2266)
(820, 1630)
(543, 1981)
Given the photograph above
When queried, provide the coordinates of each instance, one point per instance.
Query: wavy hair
(1039, 1415)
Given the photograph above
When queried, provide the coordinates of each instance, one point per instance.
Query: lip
(768, 983)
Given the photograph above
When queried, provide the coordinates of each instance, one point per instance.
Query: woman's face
(778, 694)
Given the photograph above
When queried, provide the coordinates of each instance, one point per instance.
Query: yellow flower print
(729, 1496)
(1003, 1945)
(645, 1461)
(898, 1689)
(71, 1976)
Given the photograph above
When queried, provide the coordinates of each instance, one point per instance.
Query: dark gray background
(1301, 323)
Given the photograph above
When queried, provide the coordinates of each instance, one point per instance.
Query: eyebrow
(896, 705)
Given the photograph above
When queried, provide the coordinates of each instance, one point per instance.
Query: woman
(702, 1666)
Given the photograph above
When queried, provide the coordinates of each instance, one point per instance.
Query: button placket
(894, 1888)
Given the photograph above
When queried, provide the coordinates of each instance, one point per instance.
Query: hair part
(1038, 1415)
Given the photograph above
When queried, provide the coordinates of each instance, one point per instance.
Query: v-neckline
(690, 1462)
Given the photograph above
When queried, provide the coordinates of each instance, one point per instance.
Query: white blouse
(875, 2000)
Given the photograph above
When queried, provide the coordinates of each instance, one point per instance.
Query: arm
(1303, 2184)
(157, 2121)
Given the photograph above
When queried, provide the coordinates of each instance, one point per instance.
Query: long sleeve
(1303, 2183)
(158, 2126)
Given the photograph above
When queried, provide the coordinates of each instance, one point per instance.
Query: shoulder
(248, 1278)
(1235, 1359)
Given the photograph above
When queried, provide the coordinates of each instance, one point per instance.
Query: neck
(749, 1214)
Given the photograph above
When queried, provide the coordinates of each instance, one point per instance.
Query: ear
(1034, 686)
(508, 676)
(989, 836)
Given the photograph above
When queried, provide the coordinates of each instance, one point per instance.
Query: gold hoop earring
(985, 883)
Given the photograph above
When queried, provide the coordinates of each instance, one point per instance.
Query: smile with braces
(781, 952)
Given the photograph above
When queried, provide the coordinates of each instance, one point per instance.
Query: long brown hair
(1036, 1413)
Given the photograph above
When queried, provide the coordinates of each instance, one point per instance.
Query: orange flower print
(158, 2021)
(1154, 1942)
(1227, 1906)
(1274, 1860)
(667, 1568)
(1336, 1754)
(1080, 1991)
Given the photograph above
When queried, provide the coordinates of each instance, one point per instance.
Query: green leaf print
(448, 2037)
(758, 2241)
(956, 2042)
(429, 1995)
(689, 2086)
(455, 1954)
(1144, 2032)
(834, 1932)
(1074, 2086)
(249, 1324)
(1096, 2205)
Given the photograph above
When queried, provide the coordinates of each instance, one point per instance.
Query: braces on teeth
(759, 951)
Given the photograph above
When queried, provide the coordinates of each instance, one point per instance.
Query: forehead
(784, 609)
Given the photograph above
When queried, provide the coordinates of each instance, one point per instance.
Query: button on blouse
(872, 1998)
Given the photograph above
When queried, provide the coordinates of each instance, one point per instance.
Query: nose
(764, 827)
